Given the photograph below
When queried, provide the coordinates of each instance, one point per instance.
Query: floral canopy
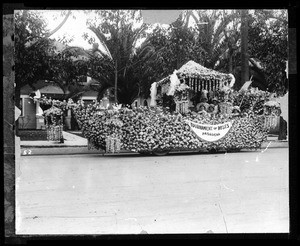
(199, 78)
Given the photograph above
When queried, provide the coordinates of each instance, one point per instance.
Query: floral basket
(54, 133)
(272, 108)
(90, 145)
(54, 126)
(113, 144)
(270, 121)
(182, 107)
(272, 112)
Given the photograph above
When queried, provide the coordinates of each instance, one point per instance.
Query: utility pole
(244, 47)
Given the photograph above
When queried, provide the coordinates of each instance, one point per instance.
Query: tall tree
(183, 43)
(175, 45)
(266, 54)
(32, 50)
(172, 46)
(215, 33)
(268, 43)
(118, 32)
(36, 55)
(244, 47)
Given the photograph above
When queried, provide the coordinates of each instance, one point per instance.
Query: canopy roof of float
(193, 70)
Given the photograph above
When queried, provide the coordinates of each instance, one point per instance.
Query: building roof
(44, 87)
(51, 89)
(27, 89)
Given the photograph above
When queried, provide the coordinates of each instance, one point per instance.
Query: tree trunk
(116, 82)
(244, 47)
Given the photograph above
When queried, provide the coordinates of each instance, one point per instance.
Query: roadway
(245, 192)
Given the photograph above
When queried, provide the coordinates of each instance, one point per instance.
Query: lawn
(33, 135)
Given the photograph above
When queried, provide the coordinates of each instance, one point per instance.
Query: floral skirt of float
(149, 132)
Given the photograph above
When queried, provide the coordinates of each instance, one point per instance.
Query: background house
(30, 118)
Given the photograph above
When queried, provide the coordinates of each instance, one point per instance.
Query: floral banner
(210, 133)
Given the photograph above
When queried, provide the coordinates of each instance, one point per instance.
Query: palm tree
(244, 47)
(113, 62)
(212, 32)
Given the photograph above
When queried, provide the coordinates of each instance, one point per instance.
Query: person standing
(203, 101)
(283, 120)
(215, 102)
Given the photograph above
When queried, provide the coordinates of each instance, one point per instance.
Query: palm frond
(102, 39)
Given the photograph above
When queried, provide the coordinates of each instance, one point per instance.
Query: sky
(75, 26)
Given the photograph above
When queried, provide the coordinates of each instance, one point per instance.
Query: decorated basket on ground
(54, 133)
(54, 123)
(272, 112)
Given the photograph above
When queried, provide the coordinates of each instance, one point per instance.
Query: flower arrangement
(53, 116)
(272, 107)
(54, 123)
(193, 69)
(271, 111)
(147, 129)
(250, 100)
(113, 144)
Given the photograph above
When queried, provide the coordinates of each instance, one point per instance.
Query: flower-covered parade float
(195, 108)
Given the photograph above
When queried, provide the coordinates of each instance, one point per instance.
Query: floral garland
(63, 105)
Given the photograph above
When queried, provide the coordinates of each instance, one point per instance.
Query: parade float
(207, 114)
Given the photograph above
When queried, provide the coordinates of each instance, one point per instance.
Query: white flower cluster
(192, 67)
(272, 104)
(182, 87)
